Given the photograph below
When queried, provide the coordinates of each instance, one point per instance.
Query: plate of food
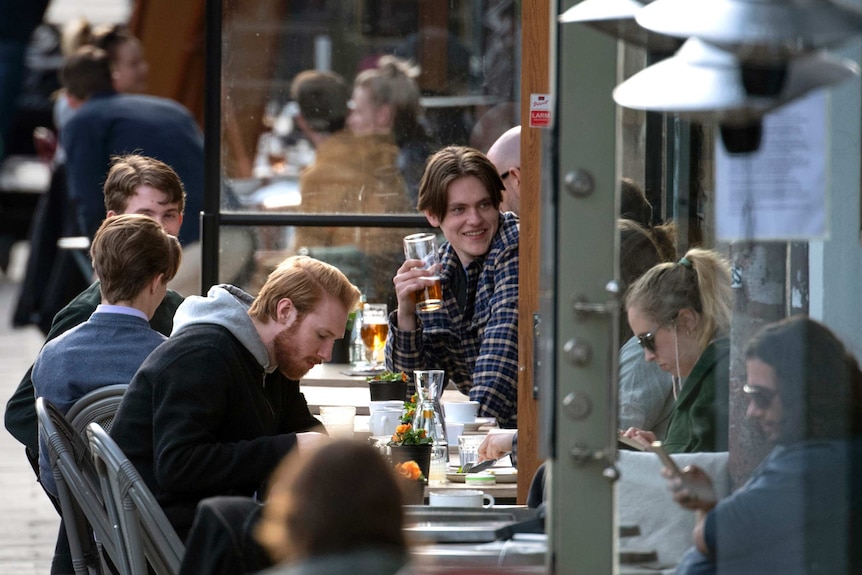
(480, 421)
(503, 474)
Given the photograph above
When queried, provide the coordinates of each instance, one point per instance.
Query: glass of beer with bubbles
(375, 328)
(423, 246)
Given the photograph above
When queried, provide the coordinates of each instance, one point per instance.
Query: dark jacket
(206, 415)
(20, 416)
(111, 123)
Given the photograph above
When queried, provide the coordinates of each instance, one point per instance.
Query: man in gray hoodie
(215, 408)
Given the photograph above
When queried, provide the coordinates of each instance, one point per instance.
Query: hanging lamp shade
(755, 30)
(617, 18)
(703, 83)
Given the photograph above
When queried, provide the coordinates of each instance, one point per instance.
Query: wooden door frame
(535, 79)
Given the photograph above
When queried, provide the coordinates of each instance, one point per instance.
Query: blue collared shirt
(124, 309)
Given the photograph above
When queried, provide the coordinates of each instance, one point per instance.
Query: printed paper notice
(779, 191)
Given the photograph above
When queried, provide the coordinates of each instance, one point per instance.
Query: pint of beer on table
(423, 246)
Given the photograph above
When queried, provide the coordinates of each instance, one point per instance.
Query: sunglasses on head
(647, 340)
(761, 396)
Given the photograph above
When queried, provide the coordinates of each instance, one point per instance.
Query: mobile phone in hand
(666, 459)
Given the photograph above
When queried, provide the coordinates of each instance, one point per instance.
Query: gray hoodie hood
(227, 306)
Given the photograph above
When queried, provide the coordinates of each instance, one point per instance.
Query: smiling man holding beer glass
(472, 333)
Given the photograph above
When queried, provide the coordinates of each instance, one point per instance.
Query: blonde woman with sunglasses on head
(680, 313)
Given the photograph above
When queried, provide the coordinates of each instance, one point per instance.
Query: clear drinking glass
(375, 328)
(423, 247)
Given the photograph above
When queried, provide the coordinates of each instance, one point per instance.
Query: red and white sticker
(540, 110)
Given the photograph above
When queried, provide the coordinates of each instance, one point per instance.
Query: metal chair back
(149, 537)
(100, 405)
(90, 530)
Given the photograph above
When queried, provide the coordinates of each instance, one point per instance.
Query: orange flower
(409, 470)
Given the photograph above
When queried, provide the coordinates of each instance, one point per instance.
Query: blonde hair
(304, 281)
(700, 280)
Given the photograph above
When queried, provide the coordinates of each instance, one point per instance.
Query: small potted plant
(413, 482)
(388, 385)
(409, 444)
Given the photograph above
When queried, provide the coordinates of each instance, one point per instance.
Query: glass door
(598, 153)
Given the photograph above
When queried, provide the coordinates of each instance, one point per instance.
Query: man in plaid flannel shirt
(474, 336)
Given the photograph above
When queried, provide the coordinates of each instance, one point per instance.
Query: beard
(287, 354)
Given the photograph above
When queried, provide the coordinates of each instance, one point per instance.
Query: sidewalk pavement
(28, 521)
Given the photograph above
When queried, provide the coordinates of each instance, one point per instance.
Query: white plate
(503, 474)
(480, 421)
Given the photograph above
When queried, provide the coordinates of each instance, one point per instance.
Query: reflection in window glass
(370, 256)
(333, 107)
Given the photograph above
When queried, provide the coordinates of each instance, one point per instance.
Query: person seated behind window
(474, 335)
(351, 174)
(337, 509)
(386, 100)
(799, 512)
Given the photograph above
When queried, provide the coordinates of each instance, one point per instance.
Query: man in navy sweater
(134, 258)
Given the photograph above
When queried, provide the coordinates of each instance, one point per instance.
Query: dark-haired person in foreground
(799, 512)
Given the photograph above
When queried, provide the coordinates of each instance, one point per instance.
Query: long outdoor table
(327, 384)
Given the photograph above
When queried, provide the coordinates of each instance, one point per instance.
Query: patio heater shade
(617, 18)
(755, 30)
(703, 83)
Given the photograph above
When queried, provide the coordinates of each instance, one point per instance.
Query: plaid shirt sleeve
(479, 351)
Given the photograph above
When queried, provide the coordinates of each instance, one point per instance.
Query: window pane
(357, 142)
(368, 256)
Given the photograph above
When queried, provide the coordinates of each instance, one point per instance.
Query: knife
(477, 467)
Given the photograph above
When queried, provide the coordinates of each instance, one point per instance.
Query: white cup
(338, 420)
(461, 411)
(384, 421)
(461, 498)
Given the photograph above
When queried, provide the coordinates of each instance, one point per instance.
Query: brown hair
(304, 281)
(128, 251)
(341, 497)
(86, 72)
(634, 204)
(450, 164)
(129, 172)
(638, 253)
(322, 99)
(699, 281)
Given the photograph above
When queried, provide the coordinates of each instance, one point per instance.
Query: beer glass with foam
(423, 246)
(375, 328)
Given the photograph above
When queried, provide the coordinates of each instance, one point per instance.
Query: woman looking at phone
(799, 512)
(680, 314)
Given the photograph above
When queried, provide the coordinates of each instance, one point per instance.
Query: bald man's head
(505, 154)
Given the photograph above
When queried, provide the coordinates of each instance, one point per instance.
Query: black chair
(100, 405)
(149, 537)
(92, 533)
